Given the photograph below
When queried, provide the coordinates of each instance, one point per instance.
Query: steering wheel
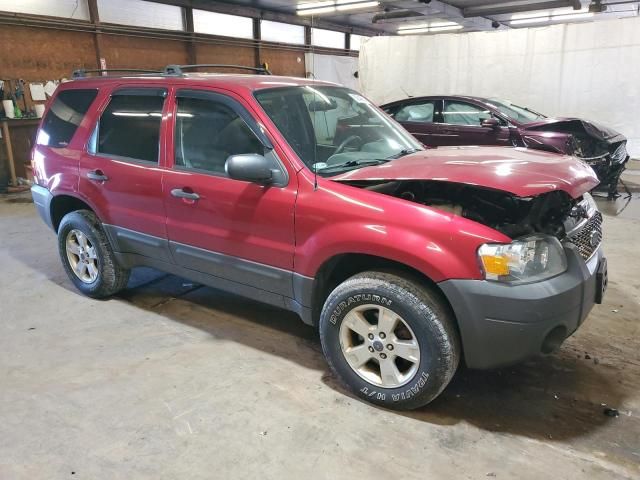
(346, 142)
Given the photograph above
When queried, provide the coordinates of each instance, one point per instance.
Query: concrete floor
(172, 380)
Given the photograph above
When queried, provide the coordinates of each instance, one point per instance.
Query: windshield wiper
(355, 163)
(402, 153)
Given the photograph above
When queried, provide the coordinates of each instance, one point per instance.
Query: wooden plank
(7, 142)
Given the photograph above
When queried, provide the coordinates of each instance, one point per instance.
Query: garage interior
(171, 378)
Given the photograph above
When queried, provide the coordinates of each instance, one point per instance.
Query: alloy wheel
(82, 256)
(379, 346)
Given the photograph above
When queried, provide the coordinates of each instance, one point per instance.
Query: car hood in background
(519, 171)
(570, 125)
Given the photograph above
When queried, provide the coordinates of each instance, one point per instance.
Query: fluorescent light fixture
(558, 14)
(412, 31)
(572, 16)
(524, 21)
(353, 6)
(444, 24)
(445, 28)
(314, 8)
(413, 27)
(529, 15)
(316, 11)
(432, 28)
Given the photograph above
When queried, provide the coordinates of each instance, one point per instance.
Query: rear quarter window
(64, 116)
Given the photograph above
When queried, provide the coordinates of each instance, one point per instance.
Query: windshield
(334, 129)
(516, 112)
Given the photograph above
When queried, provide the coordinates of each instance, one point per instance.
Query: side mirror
(490, 122)
(250, 167)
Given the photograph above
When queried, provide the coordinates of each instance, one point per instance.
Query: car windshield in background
(516, 112)
(334, 129)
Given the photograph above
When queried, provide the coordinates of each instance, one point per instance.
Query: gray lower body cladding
(502, 324)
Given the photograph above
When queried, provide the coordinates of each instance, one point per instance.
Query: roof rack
(179, 69)
(82, 73)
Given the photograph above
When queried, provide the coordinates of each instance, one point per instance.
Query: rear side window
(130, 126)
(64, 116)
(417, 112)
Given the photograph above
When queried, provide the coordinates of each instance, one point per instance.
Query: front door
(462, 125)
(120, 171)
(234, 230)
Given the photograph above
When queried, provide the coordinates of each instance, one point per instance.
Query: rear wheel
(391, 340)
(87, 255)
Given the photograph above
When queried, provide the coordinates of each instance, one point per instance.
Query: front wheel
(391, 340)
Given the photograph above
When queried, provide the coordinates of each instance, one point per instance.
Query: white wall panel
(333, 68)
(587, 70)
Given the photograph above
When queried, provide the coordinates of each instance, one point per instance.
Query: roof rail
(178, 69)
(82, 73)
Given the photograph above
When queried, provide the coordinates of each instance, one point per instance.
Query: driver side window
(207, 132)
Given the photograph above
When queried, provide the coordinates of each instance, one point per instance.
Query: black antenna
(315, 143)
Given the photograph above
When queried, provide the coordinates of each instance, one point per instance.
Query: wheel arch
(340, 267)
(65, 203)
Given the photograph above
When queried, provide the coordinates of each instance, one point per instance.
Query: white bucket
(39, 110)
(8, 108)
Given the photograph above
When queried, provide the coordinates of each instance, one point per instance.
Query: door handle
(97, 175)
(182, 193)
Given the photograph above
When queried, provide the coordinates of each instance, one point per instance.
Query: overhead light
(444, 24)
(445, 28)
(549, 16)
(413, 27)
(331, 6)
(345, 5)
(572, 16)
(413, 30)
(432, 28)
(522, 21)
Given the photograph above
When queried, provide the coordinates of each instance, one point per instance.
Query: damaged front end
(601, 148)
(553, 213)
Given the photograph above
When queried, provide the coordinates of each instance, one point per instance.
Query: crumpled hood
(519, 171)
(565, 125)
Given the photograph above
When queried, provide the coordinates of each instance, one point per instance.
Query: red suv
(304, 195)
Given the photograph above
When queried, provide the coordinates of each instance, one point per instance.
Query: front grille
(589, 237)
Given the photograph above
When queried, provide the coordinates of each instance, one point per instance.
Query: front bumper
(502, 324)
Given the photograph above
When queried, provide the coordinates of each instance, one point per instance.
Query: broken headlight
(620, 154)
(525, 260)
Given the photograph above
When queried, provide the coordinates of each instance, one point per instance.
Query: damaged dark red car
(461, 120)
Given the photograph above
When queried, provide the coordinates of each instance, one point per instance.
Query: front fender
(337, 219)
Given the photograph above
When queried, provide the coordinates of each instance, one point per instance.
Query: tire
(424, 320)
(104, 277)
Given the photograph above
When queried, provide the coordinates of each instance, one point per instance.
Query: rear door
(235, 230)
(419, 118)
(120, 170)
(461, 124)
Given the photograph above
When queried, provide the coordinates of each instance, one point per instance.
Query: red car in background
(461, 120)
